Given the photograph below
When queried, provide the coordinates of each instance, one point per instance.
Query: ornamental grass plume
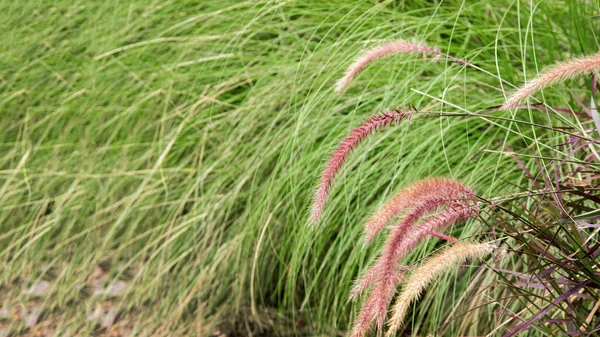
(380, 51)
(409, 196)
(405, 237)
(555, 74)
(420, 207)
(338, 157)
(433, 268)
(385, 275)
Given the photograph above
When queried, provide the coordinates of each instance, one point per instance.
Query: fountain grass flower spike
(385, 275)
(409, 196)
(555, 74)
(395, 47)
(448, 194)
(346, 146)
(433, 268)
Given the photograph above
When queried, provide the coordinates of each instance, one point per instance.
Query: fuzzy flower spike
(346, 146)
(555, 74)
(440, 187)
(433, 268)
(384, 276)
(396, 47)
(455, 202)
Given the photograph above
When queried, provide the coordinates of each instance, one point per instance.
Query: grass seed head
(395, 47)
(433, 268)
(385, 274)
(555, 74)
(441, 189)
(346, 146)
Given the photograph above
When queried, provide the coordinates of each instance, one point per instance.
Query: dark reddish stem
(443, 236)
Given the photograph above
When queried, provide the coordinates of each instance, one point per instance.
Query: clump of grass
(176, 137)
(554, 225)
(422, 198)
(556, 279)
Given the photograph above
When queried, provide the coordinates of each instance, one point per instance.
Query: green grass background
(177, 143)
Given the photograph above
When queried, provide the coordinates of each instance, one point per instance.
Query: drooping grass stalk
(376, 304)
(384, 275)
(388, 256)
(402, 47)
(395, 47)
(419, 208)
(411, 195)
(433, 268)
(555, 74)
(346, 146)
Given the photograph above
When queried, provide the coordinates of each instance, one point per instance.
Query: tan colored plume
(555, 74)
(433, 268)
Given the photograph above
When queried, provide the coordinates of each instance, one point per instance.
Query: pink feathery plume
(385, 275)
(420, 208)
(410, 237)
(376, 305)
(409, 196)
(377, 52)
(338, 157)
(555, 74)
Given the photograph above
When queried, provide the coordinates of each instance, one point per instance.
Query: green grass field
(157, 158)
